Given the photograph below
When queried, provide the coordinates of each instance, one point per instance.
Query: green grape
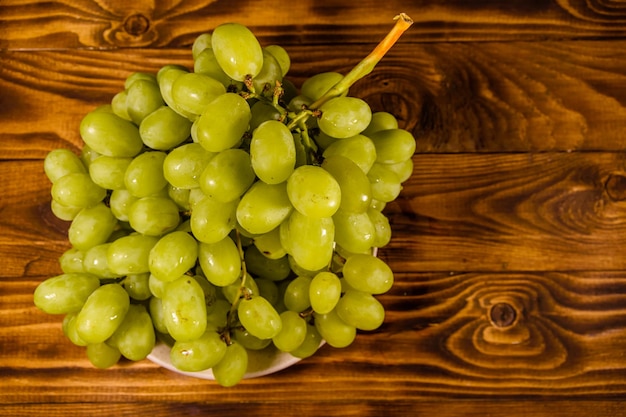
(195, 196)
(299, 103)
(130, 254)
(102, 355)
(136, 76)
(317, 85)
(382, 228)
(237, 51)
(95, 261)
(361, 310)
(368, 273)
(184, 309)
(157, 287)
(220, 261)
(209, 290)
(166, 77)
(356, 191)
(344, 117)
(268, 290)
(173, 255)
(77, 190)
(223, 123)
(293, 332)
(263, 207)
(60, 162)
(271, 73)
(202, 42)
(193, 91)
(300, 271)
(198, 354)
(65, 293)
(103, 312)
(155, 307)
(87, 155)
(289, 88)
(118, 105)
(234, 291)
(212, 220)
(142, 98)
(381, 121)
(153, 216)
(134, 337)
(110, 135)
(69, 329)
(354, 232)
(264, 267)
(122, 230)
(62, 212)
(227, 175)
(393, 145)
(119, 202)
(324, 292)
(403, 169)
(91, 226)
(296, 296)
(108, 171)
(164, 129)
(181, 197)
(360, 149)
(260, 112)
(206, 63)
(386, 185)
(72, 260)
(218, 317)
(281, 56)
(248, 340)
(259, 317)
(138, 286)
(310, 240)
(233, 366)
(310, 345)
(377, 205)
(184, 164)
(269, 244)
(144, 175)
(335, 331)
(313, 191)
(323, 141)
(272, 152)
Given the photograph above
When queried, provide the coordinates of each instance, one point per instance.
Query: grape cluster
(220, 209)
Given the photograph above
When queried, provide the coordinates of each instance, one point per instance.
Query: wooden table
(509, 240)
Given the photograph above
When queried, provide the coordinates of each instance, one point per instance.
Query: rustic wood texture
(509, 241)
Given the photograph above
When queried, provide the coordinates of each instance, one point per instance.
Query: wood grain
(115, 23)
(508, 245)
(487, 97)
(438, 341)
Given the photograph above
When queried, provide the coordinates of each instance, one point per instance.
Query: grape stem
(363, 68)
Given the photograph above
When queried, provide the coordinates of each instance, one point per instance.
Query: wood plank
(518, 212)
(467, 408)
(114, 23)
(441, 338)
(488, 97)
(458, 212)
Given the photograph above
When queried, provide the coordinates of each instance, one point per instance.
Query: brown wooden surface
(509, 240)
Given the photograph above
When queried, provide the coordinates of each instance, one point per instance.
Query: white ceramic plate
(263, 362)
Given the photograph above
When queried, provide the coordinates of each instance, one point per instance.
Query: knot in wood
(502, 315)
(136, 24)
(615, 186)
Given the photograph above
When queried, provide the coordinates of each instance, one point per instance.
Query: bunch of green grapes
(220, 210)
